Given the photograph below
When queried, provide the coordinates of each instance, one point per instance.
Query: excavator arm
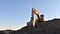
(35, 12)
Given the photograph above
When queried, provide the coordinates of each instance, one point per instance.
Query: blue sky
(14, 14)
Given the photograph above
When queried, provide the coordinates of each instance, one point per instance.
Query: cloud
(10, 27)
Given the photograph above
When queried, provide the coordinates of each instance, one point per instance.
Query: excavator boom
(35, 12)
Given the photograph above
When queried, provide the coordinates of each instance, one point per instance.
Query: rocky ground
(49, 27)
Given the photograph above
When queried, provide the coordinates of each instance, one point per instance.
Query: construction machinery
(40, 18)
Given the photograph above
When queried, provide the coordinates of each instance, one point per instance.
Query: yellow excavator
(37, 24)
(39, 17)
